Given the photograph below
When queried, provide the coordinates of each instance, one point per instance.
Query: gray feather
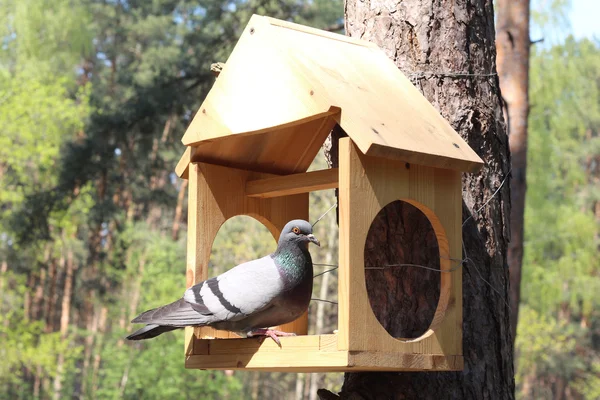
(179, 313)
(150, 331)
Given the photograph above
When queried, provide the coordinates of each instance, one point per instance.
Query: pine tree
(447, 49)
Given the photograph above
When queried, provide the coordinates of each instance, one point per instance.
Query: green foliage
(546, 345)
(153, 370)
(565, 88)
(589, 386)
(37, 116)
(94, 98)
(44, 36)
(240, 239)
(561, 263)
(25, 344)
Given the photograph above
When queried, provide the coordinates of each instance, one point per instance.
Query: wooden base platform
(309, 353)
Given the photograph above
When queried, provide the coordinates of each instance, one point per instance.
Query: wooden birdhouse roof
(286, 85)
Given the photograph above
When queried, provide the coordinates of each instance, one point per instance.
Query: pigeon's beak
(313, 239)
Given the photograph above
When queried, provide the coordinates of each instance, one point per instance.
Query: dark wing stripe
(194, 298)
(213, 285)
(202, 309)
(197, 295)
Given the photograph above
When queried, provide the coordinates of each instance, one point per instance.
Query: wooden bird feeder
(283, 89)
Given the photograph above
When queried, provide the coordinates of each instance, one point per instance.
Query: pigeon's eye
(296, 230)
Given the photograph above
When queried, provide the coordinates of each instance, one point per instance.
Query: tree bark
(512, 46)
(299, 391)
(431, 41)
(99, 347)
(52, 297)
(91, 322)
(37, 310)
(65, 317)
(178, 211)
(3, 271)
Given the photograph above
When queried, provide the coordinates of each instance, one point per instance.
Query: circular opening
(403, 297)
(239, 239)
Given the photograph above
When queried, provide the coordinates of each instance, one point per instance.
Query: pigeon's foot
(272, 333)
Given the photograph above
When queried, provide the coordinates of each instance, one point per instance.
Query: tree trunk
(255, 387)
(299, 391)
(37, 311)
(137, 288)
(3, 271)
(52, 296)
(99, 347)
(178, 211)
(65, 317)
(513, 45)
(447, 49)
(37, 383)
(92, 328)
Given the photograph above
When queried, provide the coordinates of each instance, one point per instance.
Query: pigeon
(247, 299)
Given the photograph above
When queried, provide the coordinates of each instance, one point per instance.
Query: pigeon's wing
(178, 313)
(150, 331)
(242, 291)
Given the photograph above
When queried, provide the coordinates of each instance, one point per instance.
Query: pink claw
(272, 333)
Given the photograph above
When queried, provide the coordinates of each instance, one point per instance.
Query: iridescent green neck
(294, 263)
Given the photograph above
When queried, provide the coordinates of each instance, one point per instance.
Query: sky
(582, 20)
(585, 18)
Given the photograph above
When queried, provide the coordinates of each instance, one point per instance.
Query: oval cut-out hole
(239, 239)
(403, 298)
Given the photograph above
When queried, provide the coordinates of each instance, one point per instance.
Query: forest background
(94, 99)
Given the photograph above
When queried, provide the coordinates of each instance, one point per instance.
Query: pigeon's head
(298, 231)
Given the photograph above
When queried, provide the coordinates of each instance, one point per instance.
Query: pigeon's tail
(150, 331)
(173, 316)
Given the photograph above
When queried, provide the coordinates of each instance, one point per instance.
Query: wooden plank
(307, 351)
(182, 167)
(293, 184)
(283, 150)
(335, 361)
(194, 244)
(253, 345)
(326, 361)
(344, 261)
(328, 342)
(448, 208)
(423, 158)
